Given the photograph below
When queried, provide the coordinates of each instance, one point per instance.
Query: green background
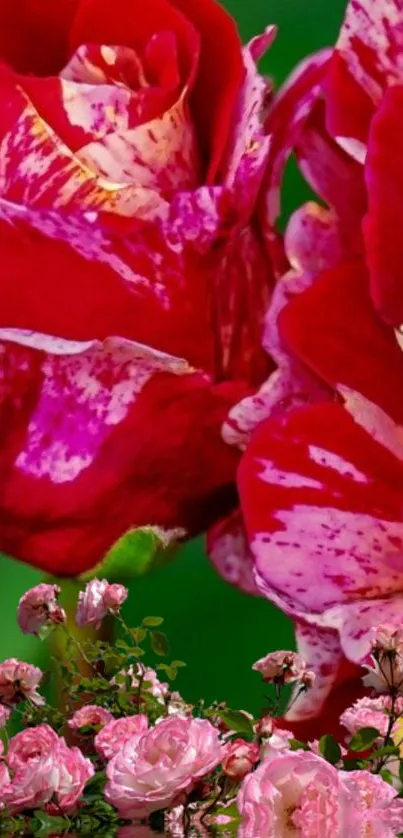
(217, 630)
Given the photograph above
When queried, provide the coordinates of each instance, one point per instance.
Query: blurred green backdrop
(217, 630)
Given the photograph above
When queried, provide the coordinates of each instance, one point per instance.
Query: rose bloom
(290, 794)
(159, 769)
(321, 485)
(90, 716)
(240, 758)
(157, 688)
(136, 270)
(281, 667)
(118, 731)
(59, 774)
(278, 742)
(97, 600)
(370, 712)
(377, 812)
(19, 681)
(33, 743)
(39, 607)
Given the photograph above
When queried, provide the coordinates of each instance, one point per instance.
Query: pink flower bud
(240, 758)
(39, 607)
(5, 714)
(265, 727)
(97, 600)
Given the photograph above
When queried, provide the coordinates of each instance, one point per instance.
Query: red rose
(322, 487)
(134, 278)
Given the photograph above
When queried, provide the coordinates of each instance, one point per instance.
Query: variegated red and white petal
(241, 294)
(40, 172)
(287, 115)
(323, 509)
(338, 684)
(161, 155)
(290, 386)
(356, 621)
(384, 177)
(371, 43)
(81, 443)
(131, 282)
(228, 549)
(249, 145)
(334, 176)
(314, 239)
(333, 328)
(368, 59)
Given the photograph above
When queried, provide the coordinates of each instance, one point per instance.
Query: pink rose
(33, 743)
(90, 716)
(117, 732)
(278, 742)
(149, 676)
(240, 758)
(370, 712)
(281, 667)
(292, 793)
(160, 768)
(39, 607)
(377, 812)
(97, 600)
(19, 681)
(60, 775)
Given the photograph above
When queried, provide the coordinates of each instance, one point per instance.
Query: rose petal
(369, 57)
(287, 116)
(333, 328)
(80, 444)
(34, 34)
(384, 175)
(228, 549)
(218, 83)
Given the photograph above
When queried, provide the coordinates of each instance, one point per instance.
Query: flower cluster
(124, 752)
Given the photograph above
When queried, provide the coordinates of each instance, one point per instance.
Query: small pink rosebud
(39, 607)
(240, 758)
(265, 727)
(281, 667)
(97, 600)
(387, 640)
(90, 716)
(308, 679)
(19, 681)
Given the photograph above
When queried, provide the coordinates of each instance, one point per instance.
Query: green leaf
(330, 749)
(153, 622)
(236, 721)
(296, 745)
(138, 634)
(179, 664)
(136, 553)
(49, 824)
(351, 764)
(364, 739)
(159, 643)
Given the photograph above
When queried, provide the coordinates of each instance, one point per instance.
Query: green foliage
(364, 739)
(330, 749)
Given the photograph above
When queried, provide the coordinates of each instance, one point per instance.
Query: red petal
(125, 23)
(34, 34)
(349, 109)
(382, 228)
(82, 288)
(334, 329)
(114, 434)
(219, 79)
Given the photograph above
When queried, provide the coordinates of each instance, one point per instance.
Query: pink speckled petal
(228, 549)
(316, 484)
(80, 445)
(321, 650)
